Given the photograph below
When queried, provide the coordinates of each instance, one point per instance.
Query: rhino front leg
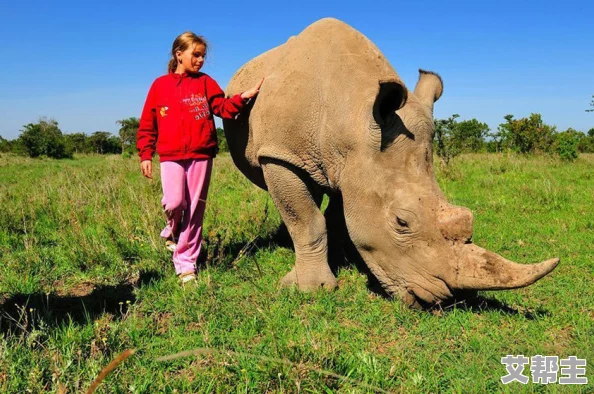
(293, 194)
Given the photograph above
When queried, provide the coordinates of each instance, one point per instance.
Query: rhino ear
(429, 88)
(391, 97)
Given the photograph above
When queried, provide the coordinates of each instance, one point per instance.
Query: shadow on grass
(22, 312)
(221, 254)
(480, 303)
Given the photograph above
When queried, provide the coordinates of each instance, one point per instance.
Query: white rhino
(333, 117)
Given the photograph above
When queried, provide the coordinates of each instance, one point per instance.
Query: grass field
(84, 276)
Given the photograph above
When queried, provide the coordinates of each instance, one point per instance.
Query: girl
(177, 122)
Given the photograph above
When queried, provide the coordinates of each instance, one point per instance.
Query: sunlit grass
(81, 256)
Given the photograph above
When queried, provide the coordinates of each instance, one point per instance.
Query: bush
(567, 144)
(525, 135)
(586, 144)
(5, 145)
(470, 135)
(223, 147)
(453, 138)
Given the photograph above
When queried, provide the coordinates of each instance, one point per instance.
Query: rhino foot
(310, 281)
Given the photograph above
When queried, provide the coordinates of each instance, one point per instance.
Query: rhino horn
(480, 269)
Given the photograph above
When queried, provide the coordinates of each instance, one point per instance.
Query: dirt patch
(80, 289)
(85, 288)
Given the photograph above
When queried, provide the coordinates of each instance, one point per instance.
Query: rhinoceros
(334, 118)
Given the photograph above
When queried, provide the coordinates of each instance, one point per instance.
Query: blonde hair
(183, 42)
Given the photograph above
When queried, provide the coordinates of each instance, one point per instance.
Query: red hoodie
(177, 118)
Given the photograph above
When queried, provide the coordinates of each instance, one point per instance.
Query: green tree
(445, 141)
(127, 133)
(99, 141)
(4, 145)
(44, 138)
(453, 138)
(223, 147)
(114, 145)
(470, 135)
(525, 135)
(103, 143)
(586, 144)
(500, 139)
(32, 139)
(78, 142)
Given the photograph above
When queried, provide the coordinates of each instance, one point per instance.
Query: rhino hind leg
(294, 194)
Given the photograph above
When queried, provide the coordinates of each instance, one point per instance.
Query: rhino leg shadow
(342, 252)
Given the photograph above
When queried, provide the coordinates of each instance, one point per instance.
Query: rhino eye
(401, 222)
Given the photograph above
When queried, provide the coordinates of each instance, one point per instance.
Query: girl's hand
(253, 92)
(146, 166)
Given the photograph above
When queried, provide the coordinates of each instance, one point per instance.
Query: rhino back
(315, 103)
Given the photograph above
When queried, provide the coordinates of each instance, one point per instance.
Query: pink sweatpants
(185, 187)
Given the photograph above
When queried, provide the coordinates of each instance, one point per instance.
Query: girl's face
(192, 59)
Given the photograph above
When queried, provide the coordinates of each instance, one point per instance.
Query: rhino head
(417, 244)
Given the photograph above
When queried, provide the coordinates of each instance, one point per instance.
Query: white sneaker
(170, 245)
(187, 278)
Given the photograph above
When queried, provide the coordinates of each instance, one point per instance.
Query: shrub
(525, 135)
(223, 147)
(566, 144)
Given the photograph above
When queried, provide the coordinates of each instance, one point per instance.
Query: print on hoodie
(198, 106)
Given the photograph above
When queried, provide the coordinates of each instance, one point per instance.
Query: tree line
(528, 135)
(44, 138)
(452, 137)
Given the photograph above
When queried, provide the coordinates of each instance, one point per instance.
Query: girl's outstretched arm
(228, 108)
(253, 92)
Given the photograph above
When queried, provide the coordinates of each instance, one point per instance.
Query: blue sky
(88, 64)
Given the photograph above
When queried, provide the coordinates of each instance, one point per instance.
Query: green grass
(85, 276)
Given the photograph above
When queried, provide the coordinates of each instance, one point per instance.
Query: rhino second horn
(480, 269)
(455, 223)
(429, 88)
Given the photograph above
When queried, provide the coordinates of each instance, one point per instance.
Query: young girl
(177, 122)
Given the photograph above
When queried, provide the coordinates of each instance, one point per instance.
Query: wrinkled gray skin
(333, 117)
